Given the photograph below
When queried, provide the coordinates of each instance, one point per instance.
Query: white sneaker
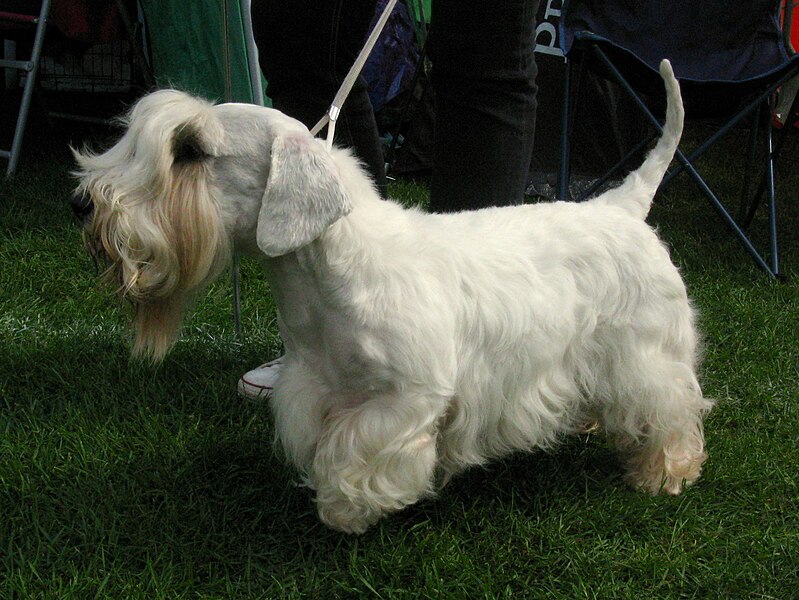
(259, 383)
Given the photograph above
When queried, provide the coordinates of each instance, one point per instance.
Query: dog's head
(186, 182)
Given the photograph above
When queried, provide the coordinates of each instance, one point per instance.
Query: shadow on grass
(133, 464)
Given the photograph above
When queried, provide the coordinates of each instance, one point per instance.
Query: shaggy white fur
(416, 344)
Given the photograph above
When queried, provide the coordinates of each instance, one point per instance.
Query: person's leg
(357, 128)
(305, 51)
(484, 79)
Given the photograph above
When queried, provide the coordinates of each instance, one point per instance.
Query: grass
(118, 480)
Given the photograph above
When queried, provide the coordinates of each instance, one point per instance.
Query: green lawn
(118, 480)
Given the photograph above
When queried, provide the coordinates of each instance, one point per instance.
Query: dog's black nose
(82, 205)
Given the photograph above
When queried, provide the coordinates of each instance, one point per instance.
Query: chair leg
(725, 215)
(615, 168)
(564, 175)
(744, 202)
(772, 199)
(687, 165)
(27, 92)
(793, 116)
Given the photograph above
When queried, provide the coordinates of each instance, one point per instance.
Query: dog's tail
(636, 192)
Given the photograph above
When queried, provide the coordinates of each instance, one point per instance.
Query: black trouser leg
(484, 78)
(305, 50)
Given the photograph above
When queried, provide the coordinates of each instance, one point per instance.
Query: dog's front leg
(375, 458)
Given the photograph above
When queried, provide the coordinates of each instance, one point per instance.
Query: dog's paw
(665, 474)
(347, 517)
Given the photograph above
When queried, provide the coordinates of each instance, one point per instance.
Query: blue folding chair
(731, 56)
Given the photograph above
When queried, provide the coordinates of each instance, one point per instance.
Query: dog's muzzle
(82, 206)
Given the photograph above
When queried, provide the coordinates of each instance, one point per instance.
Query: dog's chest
(340, 350)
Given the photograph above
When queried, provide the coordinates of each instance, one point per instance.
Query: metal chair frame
(31, 67)
(763, 99)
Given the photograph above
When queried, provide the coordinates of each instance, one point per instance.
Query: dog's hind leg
(655, 420)
(374, 458)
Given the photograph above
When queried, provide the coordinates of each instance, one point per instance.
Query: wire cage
(103, 68)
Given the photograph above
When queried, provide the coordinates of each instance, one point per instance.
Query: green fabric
(426, 8)
(187, 47)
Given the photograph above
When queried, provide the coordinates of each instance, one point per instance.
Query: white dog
(417, 345)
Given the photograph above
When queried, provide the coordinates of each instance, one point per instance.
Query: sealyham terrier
(417, 345)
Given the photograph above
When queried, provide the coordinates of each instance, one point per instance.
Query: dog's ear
(303, 195)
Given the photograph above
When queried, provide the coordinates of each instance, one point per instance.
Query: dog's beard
(157, 254)
(156, 319)
(157, 325)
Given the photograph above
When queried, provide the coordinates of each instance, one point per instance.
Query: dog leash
(332, 114)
